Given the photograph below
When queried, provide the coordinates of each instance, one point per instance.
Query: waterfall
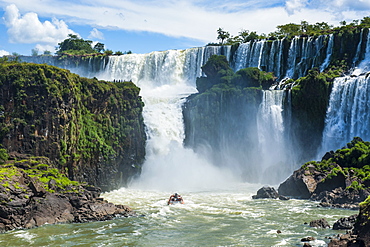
(265, 55)
(348, 112)
(274, 151)
(329, 52)
(166, 78)
(364, 65)
(349, 107)
(303, 54)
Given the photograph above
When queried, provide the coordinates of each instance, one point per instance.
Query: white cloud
(4, 53)
(29, 29)
(194, 19)
(292, 6)
(96, 34)
(42, 48)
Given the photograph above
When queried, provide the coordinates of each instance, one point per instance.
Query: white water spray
(166, 79)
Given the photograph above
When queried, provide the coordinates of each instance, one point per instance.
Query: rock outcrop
(33, 194)
(345, 223)
(339, 180)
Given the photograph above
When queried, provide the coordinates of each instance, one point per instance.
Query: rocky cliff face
(91, 130)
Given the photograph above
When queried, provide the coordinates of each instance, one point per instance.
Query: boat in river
(175, 199)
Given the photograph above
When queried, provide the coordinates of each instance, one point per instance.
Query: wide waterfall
(284, 60)
(166, 78)
(349, 107)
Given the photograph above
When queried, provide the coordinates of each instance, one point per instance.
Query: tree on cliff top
(74, 45)
(218, 71)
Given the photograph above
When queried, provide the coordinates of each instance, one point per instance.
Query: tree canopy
(290, 30)
(75, 45)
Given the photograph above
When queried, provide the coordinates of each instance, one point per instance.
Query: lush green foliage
(88, 120)
(290, 30)
(351, 161)
(76, 46)
(218, 71)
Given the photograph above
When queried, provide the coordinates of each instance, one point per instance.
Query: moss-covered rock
(91, 130)
(310, 99)
(33, 193)
(340, 179)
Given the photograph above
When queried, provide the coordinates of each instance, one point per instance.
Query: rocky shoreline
(33, 194)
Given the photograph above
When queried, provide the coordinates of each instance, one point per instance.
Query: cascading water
(348, 112)
(329, 52)
(349, 107)
(274, 149)
(303, 54)
(166, 79)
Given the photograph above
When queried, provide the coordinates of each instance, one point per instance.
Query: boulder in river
(266, 192)
(320, 223)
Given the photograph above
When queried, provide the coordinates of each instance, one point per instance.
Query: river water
(222, 217)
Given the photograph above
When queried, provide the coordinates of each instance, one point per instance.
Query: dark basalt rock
(332, 181)
(27, 202)
(55, 208)
(266, 192)
(308, 239)
(345, 223)
(321, 223)
(269, 193)
(300, 185)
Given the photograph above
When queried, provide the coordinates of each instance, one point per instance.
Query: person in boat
(175, 198)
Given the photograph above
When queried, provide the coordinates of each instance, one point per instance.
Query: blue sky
(143, 26)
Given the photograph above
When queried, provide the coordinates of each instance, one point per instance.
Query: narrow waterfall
(262, 54)
(329, 52)
(273, 146)
(349, 107)
(304, 54)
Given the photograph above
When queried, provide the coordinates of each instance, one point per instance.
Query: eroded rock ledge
(32, 194)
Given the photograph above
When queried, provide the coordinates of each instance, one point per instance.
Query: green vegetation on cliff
(91, 130)
(291, 30)
(39, 171)
(353, 161)
(223, 114)
(220, 74)
(309, 101)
